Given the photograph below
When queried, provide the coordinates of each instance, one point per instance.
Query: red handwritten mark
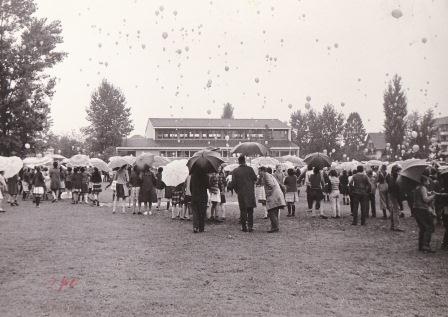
(64, 283)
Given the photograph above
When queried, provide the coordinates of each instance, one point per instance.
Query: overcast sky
(186, 58)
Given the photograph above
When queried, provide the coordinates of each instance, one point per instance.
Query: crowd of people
(202, 196)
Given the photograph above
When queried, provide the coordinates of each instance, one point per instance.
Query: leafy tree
(420, 131)
(68, 143)
(354, 135)
(109, 118)
(227, 111)
(27, 50)
(395, 110)
(328, 134)
(300, 129)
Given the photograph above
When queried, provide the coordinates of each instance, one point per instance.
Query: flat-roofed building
(182, 137)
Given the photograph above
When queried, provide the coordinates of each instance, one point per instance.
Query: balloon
(424, 40)
(143, 46)
(415, 148)
(307, 106)
(308, 98)
(164, 35)
(226, 68)
(175, 13)
(396, 13)
(257, 80)
(342, 104)
(290, 106)
(209, 112)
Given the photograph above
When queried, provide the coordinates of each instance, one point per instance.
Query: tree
(354, 135)
(27, 51)
(109, 118)
(420, 131)
(395, 110)
(68, 143)
(227, 111)
(328, 134)
(300, 131)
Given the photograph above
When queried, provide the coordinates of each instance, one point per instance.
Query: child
(215, 197)
(135, 182)
(222, 184)
(186, 210)
(96, 186)
(68, 182)
(39, 186)
(177, 201)
(291, 195)
(84, 185)
(160, 187)
(77, 184)
(122, 179)
(261, 194)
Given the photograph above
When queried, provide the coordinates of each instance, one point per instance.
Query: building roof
(440, 121)
(139, 142)
(217, 123)
(378, 139)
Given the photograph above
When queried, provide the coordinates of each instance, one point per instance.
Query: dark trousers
(445, 224)
(199, 213)
(371, 200)
(359, 200)
(273, 216)
(309, 198)
(247, 217)
(425, 223)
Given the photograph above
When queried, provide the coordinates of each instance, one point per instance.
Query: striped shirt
(334, 183)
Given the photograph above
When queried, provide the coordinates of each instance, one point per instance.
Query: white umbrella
(37, 161)
(230, 167)
(265, 161)
(57, 157)
(175, 172)
(10, 165)
(79, 160)
(118, 162)
(99, 164)
(130, 160)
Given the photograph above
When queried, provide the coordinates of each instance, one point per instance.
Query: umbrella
(175, 172)
(348, 166)
(206, 160)
(443, 170)
(297, 161)
(286, 165)
(118, 162)
(230, 167)
(414, 170)
(374, 163)
(130, 160)
(99, 164)
(144, 159)
(37, 161)
(406, 185)
(57, 157)
(250, 149)
(317, 159)
(10, 165)
(265, 161)
(160, 161)
(79, 160)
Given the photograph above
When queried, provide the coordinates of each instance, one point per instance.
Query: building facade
(441, 125)
(182, 137)
(375, 145)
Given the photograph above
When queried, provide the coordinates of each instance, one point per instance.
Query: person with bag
(424, 214)
(360, 190)
(275, 199)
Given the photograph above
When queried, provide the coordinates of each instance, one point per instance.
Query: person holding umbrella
(424, 214)
(243, 182)
(199, 183)
(275, 200)
(122, 179)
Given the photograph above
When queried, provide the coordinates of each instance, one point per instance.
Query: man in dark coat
(199, 183)
(360, 189)
(243, 182)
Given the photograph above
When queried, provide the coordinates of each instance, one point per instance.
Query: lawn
(77, 260)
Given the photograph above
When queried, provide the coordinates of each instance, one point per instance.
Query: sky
(180, 58)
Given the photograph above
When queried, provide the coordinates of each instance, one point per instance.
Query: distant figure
(291, 195)
(360, 190)
(383, 189)
(55, 181)
(243, 182)
(199, 183)
(424, 214)
(38, 186)
(394, 196)
(275, 199)
(160, 187)
(3, 189)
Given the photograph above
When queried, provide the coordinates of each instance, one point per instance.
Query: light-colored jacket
(274, 194)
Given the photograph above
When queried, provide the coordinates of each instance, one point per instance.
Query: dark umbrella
(250, 149)
(317, 159)
(414, 170)
(206, 160)
(406, 185)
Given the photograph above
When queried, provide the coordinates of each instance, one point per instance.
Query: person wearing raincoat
(275, 200)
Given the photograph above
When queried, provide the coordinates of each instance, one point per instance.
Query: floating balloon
(257, 80)
(308, 98)
(414, 134)
(415, 148)
(424, 40)
(396, 13)
(164, 35)
(175, 12)
(307, 106)
(209, 112)
(342, 104)
(290, 106)
(226, 68)
(143, 46)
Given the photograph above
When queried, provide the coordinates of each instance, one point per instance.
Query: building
(182, 137)
(376, 145)
(441, 125)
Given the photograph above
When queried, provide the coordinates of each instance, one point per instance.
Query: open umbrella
(250, 149)
(297, 161)
(79, 160)
(348, 166)
(10, 165)
(406, 185)
(317, 159)
(37, 161)
(99, 164)
(265, 161)
(144, 159)
(230, 167)
(175, 172)
(206, 160)
(414, 170)
(160, 161)
(118, 163)
(376, 163)
(57, 157)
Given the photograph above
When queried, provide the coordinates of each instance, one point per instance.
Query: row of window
(214, 134)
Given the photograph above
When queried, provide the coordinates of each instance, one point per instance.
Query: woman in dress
(260, 194)
(316, 187)
(84, 185)
(77, 184)
(291, 195)
(55, 181)
(215, 196)
(38, 186)
(13, 189)
(69, 183)
(147, 193)
(160, 187)
(122, 179)
(343, 181)
(135, 182)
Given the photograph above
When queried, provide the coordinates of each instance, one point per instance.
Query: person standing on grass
(335, 195)
(215, 196)
(343, 181)
(222, 189)
(176, 201)
(309, 195)
(96, 186)
(424, 214)
(360, 190)
(13, 189)
(84, 185)
(55, 181)
(68, 182)
(135, 183)
(275, 200)
(160, 187)
(291, 195)
(243, 182)
(199, 184)
(38, 186)
(261, 194)
(317, 185)
(3, 189)
(77, 185)
(383, 189)
(394, 196)
(122, 179)
(186, 208)
(372, 196)
(147, 193)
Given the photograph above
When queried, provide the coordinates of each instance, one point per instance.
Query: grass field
(67, 260)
